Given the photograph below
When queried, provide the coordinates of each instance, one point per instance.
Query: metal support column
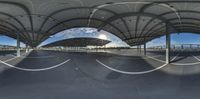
(26, 49)
(145, 51)
(18, 45)
(168, 47)
(137, 48)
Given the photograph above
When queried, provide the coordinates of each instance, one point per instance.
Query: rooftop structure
(135, 22)
(79, 42)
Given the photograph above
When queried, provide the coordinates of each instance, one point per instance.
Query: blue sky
(183, 38)
(4, 40)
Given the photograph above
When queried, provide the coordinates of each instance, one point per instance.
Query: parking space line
(162, 60)
(14, 58)
(39, 57)
(156, 59)
(185, 64)
(196, 58)
(35, 70)
(175, 57)
(130, 73)
(142, 57)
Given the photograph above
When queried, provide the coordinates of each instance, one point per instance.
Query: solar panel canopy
(133, 21)
(78, 42)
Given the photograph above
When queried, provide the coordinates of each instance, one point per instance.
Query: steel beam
(48, 31)
(111, 19)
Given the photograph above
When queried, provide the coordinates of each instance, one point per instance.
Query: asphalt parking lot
(80, 75)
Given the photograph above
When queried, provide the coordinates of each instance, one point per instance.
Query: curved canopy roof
(134, 21)
(79, 42)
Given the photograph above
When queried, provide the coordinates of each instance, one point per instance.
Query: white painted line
(10, 59)
(162, 60)
(196, 58)
(174, 57)
(35, 70)
(142, 57)
(187, 64)
(39, 57)
(14, 58)
(131, 73)
(156, 59)
(152, 56)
